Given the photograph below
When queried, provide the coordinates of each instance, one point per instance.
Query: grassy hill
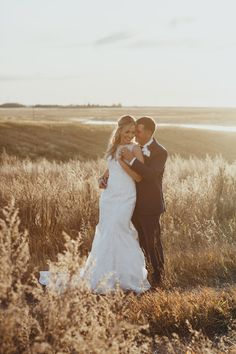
(64, 140)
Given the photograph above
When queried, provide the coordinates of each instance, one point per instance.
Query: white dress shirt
(144, 149)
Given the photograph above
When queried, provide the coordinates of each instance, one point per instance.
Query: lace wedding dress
(116, 257)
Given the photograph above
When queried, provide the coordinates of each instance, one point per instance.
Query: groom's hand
(102, 182)
(126, 154)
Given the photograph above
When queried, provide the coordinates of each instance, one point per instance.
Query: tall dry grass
(198, 302)
(74, 322)
(199, 227)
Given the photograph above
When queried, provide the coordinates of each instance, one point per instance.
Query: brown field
(55, 191)
(53, 135)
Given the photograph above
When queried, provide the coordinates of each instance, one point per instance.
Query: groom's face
(142, 135)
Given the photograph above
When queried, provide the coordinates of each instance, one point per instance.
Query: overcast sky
(136, 52)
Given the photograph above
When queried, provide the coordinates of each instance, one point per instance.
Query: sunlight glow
(133, 52)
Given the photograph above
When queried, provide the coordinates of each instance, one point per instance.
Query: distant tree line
(12, 105)
(18, 105)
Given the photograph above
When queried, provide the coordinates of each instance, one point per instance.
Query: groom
(149, 203)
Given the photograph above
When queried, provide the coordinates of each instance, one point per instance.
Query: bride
(116, 258)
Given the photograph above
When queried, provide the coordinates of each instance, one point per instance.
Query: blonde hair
(115, 136)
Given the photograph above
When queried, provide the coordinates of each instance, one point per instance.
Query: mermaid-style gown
(116, 255)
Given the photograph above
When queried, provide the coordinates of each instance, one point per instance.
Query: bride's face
(127, 134)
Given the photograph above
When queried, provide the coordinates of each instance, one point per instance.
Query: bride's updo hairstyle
(115, 136)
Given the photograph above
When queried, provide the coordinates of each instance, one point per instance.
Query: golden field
(212, 115)
(56, 201)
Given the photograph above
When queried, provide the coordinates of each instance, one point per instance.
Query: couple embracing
(127, 237)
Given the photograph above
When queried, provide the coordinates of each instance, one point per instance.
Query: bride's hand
(102, 182)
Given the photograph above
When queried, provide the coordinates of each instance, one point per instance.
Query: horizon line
(114, 105)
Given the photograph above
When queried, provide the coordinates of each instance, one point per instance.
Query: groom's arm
(156, 166)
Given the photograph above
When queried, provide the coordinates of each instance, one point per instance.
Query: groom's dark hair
(148, 123)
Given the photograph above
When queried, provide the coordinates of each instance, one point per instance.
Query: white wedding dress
(116, 257)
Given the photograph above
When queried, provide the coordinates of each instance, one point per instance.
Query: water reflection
(212, 127)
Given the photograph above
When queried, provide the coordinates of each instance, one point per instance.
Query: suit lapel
(146, 158)
(151, 148)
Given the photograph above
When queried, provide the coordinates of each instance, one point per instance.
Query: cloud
(130, 40)
(172, 42)
(190, 43)
(112, 38)
(178, 21)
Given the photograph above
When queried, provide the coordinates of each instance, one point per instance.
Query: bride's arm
(138, 154)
